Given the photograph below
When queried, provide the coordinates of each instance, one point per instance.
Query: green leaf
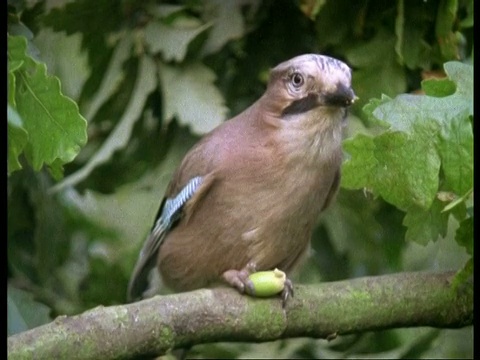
(172, 40)
(11, 88)
(456, 149)
(464, 275)
(457, 205)
(24, 313)
(17, 139)
(462, 76)
(371, 106)
(165, 11)
(464, 235)
(388, 165)
(104, 17)
(228, 24)
(97, 22)
(14, 65)
(112, 78)
(119, 137)
(65, 59)
(438, 87)
(55, 128)
(130, 211)
(456, 137)
(427, 138)
(467, 21)
(71, 17)
(191, 96)
(356, 228)
(438, 128)
(377, 70)
(420, 345)
(400, 28)
(411, 29)
(330, 31)
(311, 8)
(425, 225)
(447, 39)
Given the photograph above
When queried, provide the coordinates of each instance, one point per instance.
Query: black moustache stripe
(300, 106)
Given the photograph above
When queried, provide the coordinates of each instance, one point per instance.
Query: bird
(247, 196)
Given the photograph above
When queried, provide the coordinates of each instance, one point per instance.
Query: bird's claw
(287, 292)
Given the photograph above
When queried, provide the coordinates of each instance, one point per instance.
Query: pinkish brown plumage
(263, 178)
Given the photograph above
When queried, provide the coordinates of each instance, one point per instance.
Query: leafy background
(105, 97)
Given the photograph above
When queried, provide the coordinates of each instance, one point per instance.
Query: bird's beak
(342, 96)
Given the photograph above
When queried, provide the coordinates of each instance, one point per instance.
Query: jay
(247, 196)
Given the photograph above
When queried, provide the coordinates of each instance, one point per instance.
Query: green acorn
(267, 283)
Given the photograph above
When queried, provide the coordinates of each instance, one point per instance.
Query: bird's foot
(239, 279)
(260, 284)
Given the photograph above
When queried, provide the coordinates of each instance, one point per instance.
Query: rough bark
(162, 323)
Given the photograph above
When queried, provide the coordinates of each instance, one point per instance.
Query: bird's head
(307, 82)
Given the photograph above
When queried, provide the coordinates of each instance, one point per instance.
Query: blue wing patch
(172, 207)
(171, 211)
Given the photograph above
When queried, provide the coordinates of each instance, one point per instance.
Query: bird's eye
(297, 79)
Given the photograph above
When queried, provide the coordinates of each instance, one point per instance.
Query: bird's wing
(171, 210)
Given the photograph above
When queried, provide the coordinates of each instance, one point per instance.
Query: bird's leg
(239, 278)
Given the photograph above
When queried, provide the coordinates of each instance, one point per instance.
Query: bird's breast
(262, 207)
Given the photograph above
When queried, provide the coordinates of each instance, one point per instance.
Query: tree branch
(156, 325)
